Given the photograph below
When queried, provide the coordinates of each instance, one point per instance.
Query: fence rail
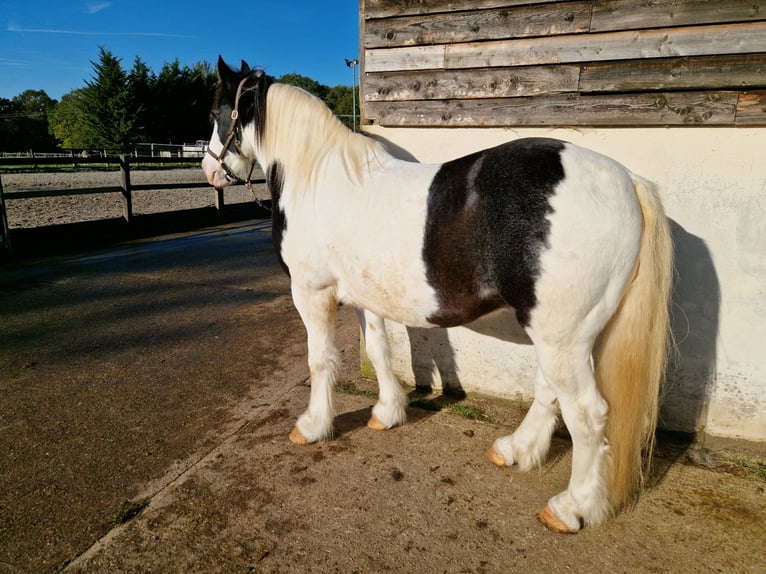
(125, 188)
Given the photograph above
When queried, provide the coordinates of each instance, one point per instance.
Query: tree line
(117, 108)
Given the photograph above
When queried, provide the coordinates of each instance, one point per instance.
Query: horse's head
(238, 117)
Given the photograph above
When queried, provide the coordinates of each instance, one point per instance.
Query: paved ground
(146, 395)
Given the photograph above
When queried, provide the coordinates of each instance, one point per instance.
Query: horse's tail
(631, 353)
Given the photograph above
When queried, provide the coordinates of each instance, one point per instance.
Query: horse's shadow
(692, 367)
(691, 373)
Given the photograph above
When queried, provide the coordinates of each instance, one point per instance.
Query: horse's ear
(244, 67)
(225, 74)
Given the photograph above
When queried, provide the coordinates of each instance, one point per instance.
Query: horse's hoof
(296, 437)
(375, 424)
(495, 456)
(553, 522)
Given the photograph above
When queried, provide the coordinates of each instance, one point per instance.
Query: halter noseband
(233, 134)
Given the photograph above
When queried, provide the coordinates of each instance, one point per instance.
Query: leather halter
(234, 135)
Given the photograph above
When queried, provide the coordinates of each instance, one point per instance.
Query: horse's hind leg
(529, 444)
(317, 309)
(585, 501)
(390, 408)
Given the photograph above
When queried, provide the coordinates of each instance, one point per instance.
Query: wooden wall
(577, 63)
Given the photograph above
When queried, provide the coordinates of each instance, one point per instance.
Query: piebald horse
(573, 243)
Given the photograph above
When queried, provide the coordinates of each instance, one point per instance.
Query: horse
(569, 240)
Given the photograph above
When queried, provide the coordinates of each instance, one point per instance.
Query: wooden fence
(125, 187)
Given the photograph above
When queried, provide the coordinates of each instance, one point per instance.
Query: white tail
(631, 353)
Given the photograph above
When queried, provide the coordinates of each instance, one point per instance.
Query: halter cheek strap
(232, 134)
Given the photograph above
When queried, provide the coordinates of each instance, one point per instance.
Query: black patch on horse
(486, 226)
(275, 181)
(252, 101)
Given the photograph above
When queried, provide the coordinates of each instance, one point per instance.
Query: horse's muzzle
(215, 175)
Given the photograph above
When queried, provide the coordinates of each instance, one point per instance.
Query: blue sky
(50, 45)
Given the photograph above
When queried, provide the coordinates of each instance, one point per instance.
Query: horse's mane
(302, 132)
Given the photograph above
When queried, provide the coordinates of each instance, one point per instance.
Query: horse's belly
(395, 291)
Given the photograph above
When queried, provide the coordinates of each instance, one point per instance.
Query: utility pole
(353, 64)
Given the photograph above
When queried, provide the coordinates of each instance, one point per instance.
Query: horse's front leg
(317, 309)
(390, 408)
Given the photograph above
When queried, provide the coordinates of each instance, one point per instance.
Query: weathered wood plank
(665, 42)
(29, 193)
(412, 58)
(495, 24)
(635, 14)
(677, 108)
(79, 160)
(393, 8)
(751, 109)
(477, 83)
(697, 72)
(628, 45)
(166, 186)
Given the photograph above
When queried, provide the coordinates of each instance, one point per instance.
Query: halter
(233, 134)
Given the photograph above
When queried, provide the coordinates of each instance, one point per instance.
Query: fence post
(5, 235)
(218, 198)
(127, 198)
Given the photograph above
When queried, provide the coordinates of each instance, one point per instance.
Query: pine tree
(140, 86)
(108, 113)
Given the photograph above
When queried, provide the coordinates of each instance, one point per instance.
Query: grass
(127, 511)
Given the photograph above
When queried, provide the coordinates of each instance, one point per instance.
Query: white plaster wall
(713, 182)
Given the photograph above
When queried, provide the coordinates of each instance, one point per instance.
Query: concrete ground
(146, 395)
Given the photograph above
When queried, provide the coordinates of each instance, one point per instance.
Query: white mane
(301, 133)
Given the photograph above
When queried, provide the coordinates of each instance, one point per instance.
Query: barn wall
(462, 63)
(700, 142)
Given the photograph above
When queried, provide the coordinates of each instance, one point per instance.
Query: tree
(24, 122)
(65, 121)
(340, 100)
(108, 112)
(140, 86)
(7, 133)
(183, 96)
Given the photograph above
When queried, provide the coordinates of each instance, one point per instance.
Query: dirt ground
(146, 395)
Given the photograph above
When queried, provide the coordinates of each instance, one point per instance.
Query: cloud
(96, 7)
(13, 27)
(12, 62)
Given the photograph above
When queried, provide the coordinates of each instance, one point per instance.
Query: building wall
(501, 63)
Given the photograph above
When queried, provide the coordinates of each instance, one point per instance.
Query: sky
(51, 45)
